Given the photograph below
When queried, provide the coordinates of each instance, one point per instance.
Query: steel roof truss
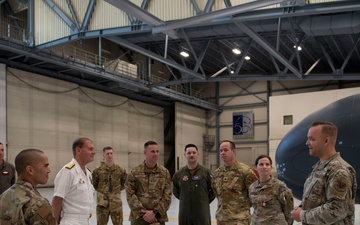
(73, 14)
(349, 54)
(241, 61)
(268, 48)
(88, 13)
(61, 14)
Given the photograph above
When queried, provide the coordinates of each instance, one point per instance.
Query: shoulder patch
(70, 165)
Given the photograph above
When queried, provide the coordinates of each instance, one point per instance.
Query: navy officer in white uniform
(73, 192)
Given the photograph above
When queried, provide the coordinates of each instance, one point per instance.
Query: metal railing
(79, 56)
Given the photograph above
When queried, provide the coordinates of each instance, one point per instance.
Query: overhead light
(184, 54)
(298, 47)
(232, 71)
(247, 57)
(236, 51)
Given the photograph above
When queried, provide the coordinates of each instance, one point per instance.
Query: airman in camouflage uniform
(231, 183)
(109, 180)
(148, 189)
(330, 190)
(22, 204)
(271, 199)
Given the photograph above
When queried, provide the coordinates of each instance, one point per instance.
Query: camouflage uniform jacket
(109, 182)
(149, 189)
(7, 176)
(329, 193)
(22, 204)
(231, 185)
(272, 201)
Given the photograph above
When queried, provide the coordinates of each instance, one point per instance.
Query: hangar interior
(111, 70)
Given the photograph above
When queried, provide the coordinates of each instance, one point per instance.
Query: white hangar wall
(254, 96)
(50, 114)
(299, 106)
(189, 128)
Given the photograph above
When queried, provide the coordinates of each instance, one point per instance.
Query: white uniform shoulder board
(70, 165)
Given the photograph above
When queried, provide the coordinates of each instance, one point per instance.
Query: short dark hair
(189, 146)
(107, 148)
(328, 128)
(261, 157)
(232, 144)
(26, 157)
(149, 143)
(79, 143)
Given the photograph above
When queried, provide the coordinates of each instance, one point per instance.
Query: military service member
(192, 186)
(271, 199)
(109, 180)
(231, 183)
(330, 190)
(73, 192)
(22, 203)
(148, 189)
(7, 172)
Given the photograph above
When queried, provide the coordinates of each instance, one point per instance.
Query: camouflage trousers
(238, 222)
(103, 213)
(140, 221)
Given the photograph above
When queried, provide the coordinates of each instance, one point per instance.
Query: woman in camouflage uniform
(271, 199)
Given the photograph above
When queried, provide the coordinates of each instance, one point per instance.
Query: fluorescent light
(184, 54)
(236, 51)
(247, 57)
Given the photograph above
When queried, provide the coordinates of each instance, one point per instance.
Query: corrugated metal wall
(49, 26)
(171, 10)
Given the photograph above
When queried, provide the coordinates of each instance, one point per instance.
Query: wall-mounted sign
(243, 125)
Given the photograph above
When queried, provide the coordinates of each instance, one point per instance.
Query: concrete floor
(173, 211)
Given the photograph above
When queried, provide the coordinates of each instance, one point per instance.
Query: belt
(79, 216)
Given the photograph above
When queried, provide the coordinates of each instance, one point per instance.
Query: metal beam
(61, 14)
(215, 15)
(88, 13)
(307, 10)
(152, 55)
(85, 83)
(139, 13)
(73, 15)
(268, 48)
(349, 54)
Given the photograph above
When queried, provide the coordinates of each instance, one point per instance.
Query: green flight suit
(193, 189)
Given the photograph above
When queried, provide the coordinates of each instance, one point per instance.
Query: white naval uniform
(77, 191)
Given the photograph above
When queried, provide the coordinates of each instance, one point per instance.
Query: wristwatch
(156, 213)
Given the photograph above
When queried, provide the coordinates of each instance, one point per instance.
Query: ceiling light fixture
(184, 54)
(298, 47)
(247, 57)
(236, 51)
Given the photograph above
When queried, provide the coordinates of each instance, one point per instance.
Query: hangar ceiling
(328, 34)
